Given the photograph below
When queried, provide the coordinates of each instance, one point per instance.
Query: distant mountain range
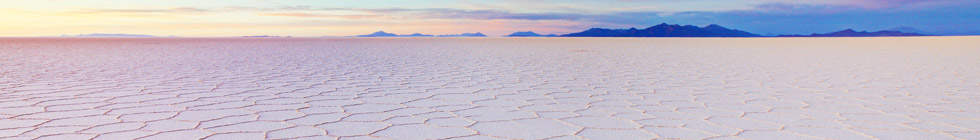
(477, 34)
(385, 34)
(378, 34)
(906, 29)
(852, 33)
(107, 35)
(675, 30)
(660, 30)
(261, 36)
(962, 32)
(529, 34)
(665, 30)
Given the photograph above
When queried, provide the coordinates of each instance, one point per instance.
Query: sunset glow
(495, 18)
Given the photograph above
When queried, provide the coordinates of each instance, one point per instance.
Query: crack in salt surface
(555, 88)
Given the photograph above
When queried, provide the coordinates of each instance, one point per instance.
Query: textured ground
(490, 88)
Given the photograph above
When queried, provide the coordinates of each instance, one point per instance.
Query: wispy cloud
(163, 10)
(441, 13)
(280, 8)
(307, 15)
(493, 14)
(761, 16)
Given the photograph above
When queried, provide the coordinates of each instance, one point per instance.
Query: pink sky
(492, 17)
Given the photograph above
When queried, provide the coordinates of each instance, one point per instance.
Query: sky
(216, 18)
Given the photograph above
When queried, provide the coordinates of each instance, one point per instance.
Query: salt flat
(490, 88)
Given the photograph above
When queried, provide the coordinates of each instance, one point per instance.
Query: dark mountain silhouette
(959, 32)
(477, 34)
(719, 31)
(852, 33)
(385, 34)
(906, 29)
(529, 34)
(665, 30)
(378, 34)
(417, 35)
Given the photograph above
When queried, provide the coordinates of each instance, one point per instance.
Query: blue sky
(493, 17)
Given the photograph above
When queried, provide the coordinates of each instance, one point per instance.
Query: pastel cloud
(549, 16)
(307, 15)
(399, 13)
(163, 10)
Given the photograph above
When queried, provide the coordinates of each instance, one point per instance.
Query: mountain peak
(852, 33)
(523, 34)
(378, 34)
(528, 34)
(386, 34)
(661, 25)
(665, 30)
(715, 27)
(907, 29)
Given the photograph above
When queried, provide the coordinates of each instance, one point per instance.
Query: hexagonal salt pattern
(490, 88)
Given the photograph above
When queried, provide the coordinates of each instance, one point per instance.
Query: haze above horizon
(492, 17)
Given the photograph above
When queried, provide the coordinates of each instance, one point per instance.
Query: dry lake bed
(490, 88)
